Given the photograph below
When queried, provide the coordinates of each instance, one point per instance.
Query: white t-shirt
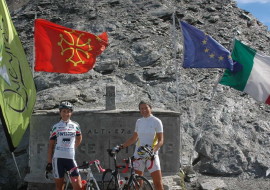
(65, 135)
(146, 128)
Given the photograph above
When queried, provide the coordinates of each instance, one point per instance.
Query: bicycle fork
(91, 181)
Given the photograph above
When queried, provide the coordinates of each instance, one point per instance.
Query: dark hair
(144, 102)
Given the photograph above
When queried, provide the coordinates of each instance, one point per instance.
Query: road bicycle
(111, 179)
(85, 168)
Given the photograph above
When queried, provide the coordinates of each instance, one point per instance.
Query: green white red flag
(254, 78)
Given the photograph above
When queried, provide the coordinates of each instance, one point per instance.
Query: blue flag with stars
(202, 51)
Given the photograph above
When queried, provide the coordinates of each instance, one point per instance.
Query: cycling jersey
(65, 135)
(146, 128)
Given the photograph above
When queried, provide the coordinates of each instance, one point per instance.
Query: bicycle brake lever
(98, 166)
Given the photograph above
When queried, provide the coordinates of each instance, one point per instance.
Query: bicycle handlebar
(88, 164)
(148, 149)
(132, 159)
(112, 152)
(98, 166)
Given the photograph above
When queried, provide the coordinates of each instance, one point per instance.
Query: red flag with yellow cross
(64, 50)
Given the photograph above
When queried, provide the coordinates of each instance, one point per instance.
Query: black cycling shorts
(61, 165)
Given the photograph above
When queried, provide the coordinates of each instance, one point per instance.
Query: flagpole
(16, 165)
(33, 62)
(177, 88)
(200, 135)
(209, 106)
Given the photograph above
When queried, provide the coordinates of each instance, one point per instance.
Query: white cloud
(252, 1)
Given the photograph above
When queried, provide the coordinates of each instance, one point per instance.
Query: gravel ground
(239, 184)
(247, 184)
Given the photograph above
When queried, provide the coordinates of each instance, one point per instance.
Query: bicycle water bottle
(121, 183)
(84, 182)
(126, 183)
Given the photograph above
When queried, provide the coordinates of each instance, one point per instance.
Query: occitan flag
(64, 50)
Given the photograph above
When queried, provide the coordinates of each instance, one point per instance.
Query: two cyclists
(148, 130)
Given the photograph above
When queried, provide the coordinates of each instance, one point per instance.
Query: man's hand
(121, 146)
(49, 167)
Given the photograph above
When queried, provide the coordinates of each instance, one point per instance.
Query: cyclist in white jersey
(148, 131)
(65, 136)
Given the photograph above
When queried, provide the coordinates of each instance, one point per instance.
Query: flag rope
(16, 165)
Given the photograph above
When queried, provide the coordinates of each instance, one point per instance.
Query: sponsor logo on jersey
(68, 134)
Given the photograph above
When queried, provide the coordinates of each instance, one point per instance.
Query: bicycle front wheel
(92, 186)
(67, 184)
(109, 181)
(140, 183)
(67, 187)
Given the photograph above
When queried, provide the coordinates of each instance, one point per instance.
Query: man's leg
(157, 179)
(76, 182)
(59, 182)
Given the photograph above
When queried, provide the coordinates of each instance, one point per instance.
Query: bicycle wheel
(68, 187)
(67, 184)
(140, 183)
(109, 181)
(92, 186)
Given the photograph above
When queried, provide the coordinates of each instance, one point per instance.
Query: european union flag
(202, 51)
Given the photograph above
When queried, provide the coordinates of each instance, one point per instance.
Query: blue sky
(258, 8)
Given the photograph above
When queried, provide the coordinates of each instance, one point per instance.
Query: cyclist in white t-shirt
(65, 136)
(148, 131)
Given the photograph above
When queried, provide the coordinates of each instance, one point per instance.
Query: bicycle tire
(68, 188)
(109, 181)
(92, 186)
(140, 183)
(67, 184)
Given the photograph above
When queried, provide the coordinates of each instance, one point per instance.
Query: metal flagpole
(200, 135)
(33, 63)
(16, 165)
(209, 106)
(177, 87)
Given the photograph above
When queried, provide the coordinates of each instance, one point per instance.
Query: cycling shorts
(61, 165)
(140, 165)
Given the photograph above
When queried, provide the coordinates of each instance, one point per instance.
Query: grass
(182, 180)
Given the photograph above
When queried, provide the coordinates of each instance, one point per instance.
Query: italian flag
(254, 78)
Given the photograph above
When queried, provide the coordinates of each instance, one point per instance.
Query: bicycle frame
(133, 179)
(115, 172)
(115, 175)
(86, 168)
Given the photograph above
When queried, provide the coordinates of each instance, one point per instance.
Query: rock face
(143, 61)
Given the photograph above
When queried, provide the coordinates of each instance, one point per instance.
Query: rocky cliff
(144, 61)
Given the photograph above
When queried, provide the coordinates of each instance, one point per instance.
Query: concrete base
(40, 186)
(101, 130)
